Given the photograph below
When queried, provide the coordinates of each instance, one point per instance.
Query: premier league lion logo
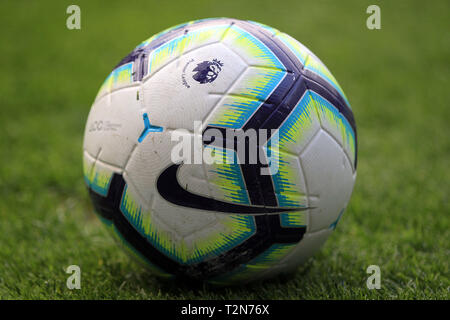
(207, 71)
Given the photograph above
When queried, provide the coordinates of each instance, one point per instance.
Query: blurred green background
(396, 78)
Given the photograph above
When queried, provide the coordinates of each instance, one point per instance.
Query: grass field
(397, 81)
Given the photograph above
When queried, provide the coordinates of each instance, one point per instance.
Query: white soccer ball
(220, 221)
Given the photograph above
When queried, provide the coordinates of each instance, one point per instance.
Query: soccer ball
(229, 221)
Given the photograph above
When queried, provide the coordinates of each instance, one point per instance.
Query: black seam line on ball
(287, 58)
(314, 84)
(268, 232)
(320, 85)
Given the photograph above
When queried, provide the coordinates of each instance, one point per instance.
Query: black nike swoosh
(169, 188)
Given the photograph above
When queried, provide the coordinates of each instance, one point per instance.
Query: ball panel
(184, 43)
(329, 180)
(173, 91)
(289, 182)
(225, 179)
(300, 126)
(168, 34)
(336, 125)
(113, 126)
(183, 222)
(147, 161)
(299, 50)
(250, 48)
(245, 96)
(97, 174)
(167, 232)
(120, 77)
(194, 179)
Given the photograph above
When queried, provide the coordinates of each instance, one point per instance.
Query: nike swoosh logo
(170, 189)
